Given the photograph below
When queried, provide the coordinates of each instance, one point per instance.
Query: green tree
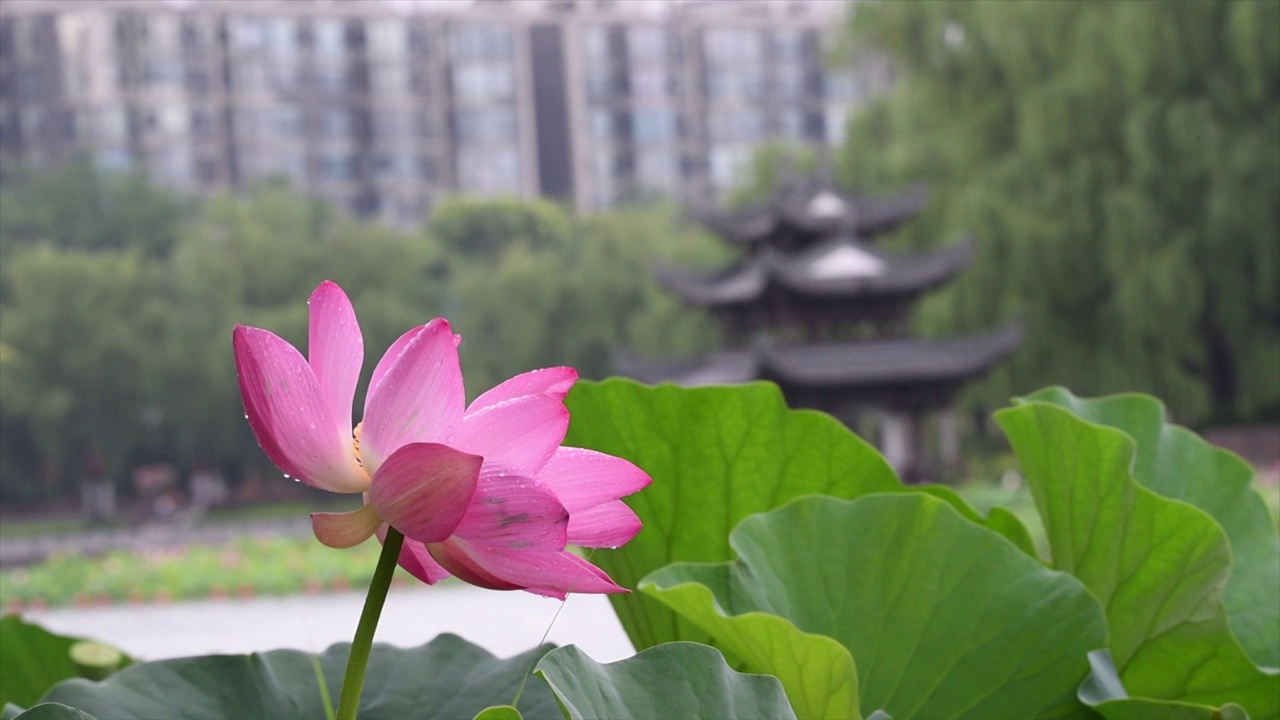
(1119, 163)
(771, 164)
(577, 299)
(479, 228)
(78, 206)
(79, 368)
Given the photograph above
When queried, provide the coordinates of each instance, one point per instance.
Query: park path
(504, 623)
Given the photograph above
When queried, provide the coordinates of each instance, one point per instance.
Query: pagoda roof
(814, 206)
(841, 268)
(872, 365)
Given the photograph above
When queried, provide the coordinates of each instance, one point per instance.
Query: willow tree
(1120, 164)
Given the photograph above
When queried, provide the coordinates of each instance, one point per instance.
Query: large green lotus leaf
(674, 681)
(446, 678)
(717, 455)
(1177, 463)
(1104, 692)
(1157, 565)
(33, 660)
(50, 711)
(818, 672)
(942, 617)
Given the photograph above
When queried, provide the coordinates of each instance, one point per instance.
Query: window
(601, 123)
(287, 122)
(337, 166)
(249, 77)
(480, 41)
(392, 125)
(647, 43)
(285, 76)
(656, 170)
(595, 43)
(653, 126)
(329, 39)
(173, 120)
(388, 39)
(498, 125)
(790, 84)
(427, 124)
(172, 166)
(282, 38)
(113, 159)
(789, 45)
(111, 129)
(246, 123)
(650, 83)
(247, 34)
(163, 73)
(427, 168)
(480, 83)
(726, 162)
(489, 171)
(389, 78)
(331, 78)
(599, 82)
(732, 47)
(791, 124)
(394, 166)
(740, 126)
(335, 123)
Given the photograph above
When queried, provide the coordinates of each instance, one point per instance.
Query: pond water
(504, 623)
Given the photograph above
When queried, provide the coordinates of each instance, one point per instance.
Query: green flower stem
(358, 661)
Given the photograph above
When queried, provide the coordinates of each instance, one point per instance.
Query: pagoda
(814, 305)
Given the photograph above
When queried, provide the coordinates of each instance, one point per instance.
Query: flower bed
(248, 567)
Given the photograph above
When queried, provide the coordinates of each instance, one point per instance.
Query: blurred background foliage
(1118, 163)
(118, 300)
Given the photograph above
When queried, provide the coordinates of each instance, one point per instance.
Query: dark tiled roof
(814, 206)
(839, 268)
(873, 364)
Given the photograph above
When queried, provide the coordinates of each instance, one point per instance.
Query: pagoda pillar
(895, 440)
(948, 439)
(918, 449)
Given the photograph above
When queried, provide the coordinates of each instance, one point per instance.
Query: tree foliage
(1119, 163)
(117, 343)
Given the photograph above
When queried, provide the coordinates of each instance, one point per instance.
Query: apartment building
(382, 107)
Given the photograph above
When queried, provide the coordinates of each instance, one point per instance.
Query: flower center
(355, 443)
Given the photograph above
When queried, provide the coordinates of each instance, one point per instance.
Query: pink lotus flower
(485, 493)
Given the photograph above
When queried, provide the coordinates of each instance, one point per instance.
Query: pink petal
(521, 434)
(514, 511)
(585, 478)
(419, 398)
(551, 573)
(554, 381)
(335, 348)
(390, 357)
(348, 529)
(416, 560)
(290, 415)
(424, 489)
(610, 524)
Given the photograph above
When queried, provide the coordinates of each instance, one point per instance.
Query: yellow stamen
(355, 443)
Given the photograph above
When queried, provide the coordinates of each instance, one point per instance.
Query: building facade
(382, 107)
